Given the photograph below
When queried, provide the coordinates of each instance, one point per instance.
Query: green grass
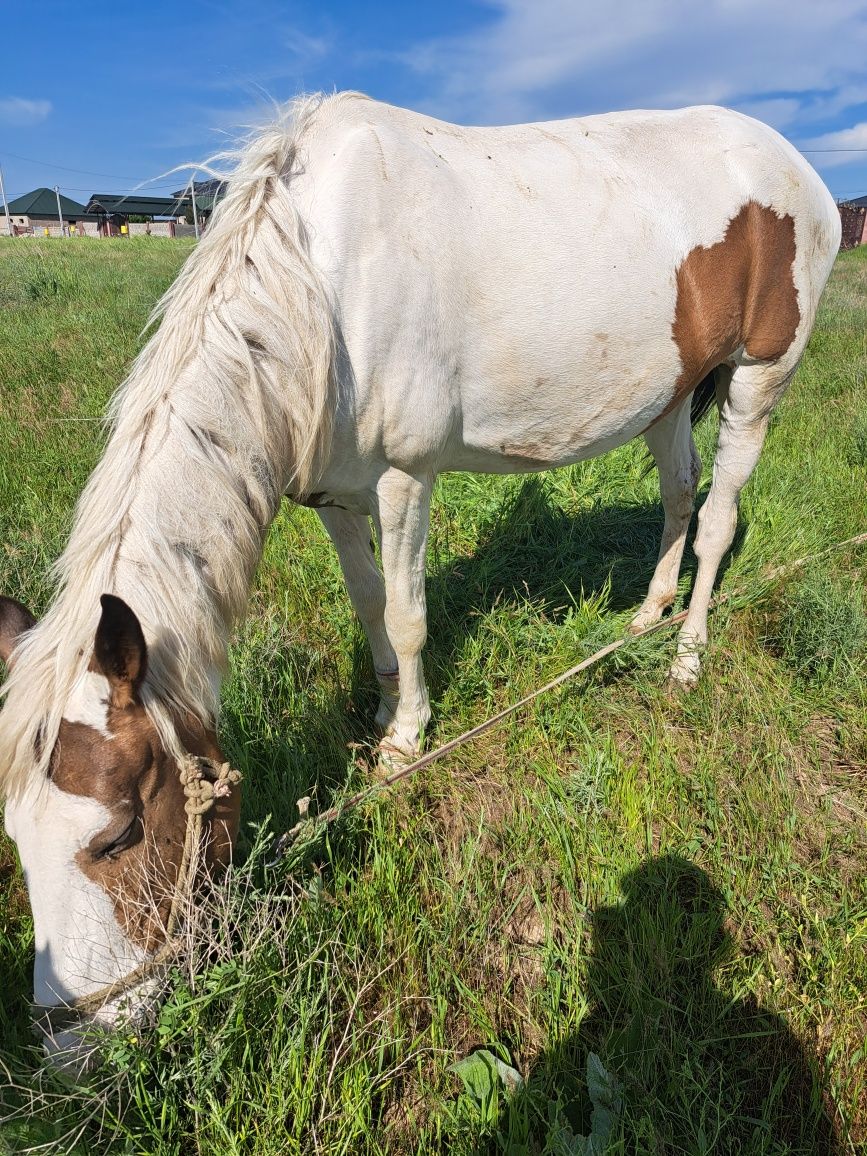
(676, 885)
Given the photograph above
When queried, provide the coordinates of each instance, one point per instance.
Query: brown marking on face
(133, 776)
(15, 621)
(740, 291)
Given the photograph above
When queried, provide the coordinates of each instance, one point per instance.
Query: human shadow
(699, 1070)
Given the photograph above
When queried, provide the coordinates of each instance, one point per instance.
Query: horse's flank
(228, 405)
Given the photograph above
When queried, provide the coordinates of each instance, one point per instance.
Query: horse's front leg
(350, 534)
(403, 517)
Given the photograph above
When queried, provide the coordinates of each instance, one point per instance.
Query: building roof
(43, 203)
(206, 192)
(123, 205)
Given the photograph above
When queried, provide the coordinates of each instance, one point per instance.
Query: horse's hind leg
(744, 415)
(670, 442)
(350, 534)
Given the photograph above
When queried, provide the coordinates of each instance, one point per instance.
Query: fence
(852, 218)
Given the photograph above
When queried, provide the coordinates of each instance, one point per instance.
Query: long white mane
(228, 405)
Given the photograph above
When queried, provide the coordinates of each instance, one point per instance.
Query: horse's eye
(119, 842)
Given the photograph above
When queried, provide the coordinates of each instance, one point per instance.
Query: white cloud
(305, 50)
(20, 111)
(538, 58)
(851, 143)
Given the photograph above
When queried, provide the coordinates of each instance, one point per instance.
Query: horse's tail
(703, 397)
(712, 388)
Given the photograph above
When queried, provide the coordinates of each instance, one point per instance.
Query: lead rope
(203, 781)
(311, 826)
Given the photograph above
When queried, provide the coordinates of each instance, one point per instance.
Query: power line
(83, 172)
(88, 189)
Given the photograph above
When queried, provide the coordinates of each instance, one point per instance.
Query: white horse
(379, 298)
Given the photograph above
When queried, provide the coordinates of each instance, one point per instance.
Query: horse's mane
(237, 380)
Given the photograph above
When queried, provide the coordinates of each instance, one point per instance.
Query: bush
(820, 630)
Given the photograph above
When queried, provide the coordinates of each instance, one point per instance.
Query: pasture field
(652, 908)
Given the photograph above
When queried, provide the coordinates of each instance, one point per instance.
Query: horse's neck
(190, 542)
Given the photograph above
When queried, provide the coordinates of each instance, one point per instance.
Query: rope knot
(204, 781)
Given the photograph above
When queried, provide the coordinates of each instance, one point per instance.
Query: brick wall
(853, 218)
(157, 229)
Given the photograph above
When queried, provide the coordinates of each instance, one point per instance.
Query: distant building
(158, 216)
(112, 214)
(36, 213)
(207, 193)
(853, 217)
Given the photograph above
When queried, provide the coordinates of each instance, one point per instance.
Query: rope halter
(204, 782)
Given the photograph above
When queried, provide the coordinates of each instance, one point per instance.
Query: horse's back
(683, 168)
(550, 289)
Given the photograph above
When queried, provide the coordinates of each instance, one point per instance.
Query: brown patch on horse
(133, 776)
(136, 857)
(15, 621)
(740, 291)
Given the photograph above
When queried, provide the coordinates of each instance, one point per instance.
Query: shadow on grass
(531, 549)
(699, 1071)
(534, 549)
(311, 753)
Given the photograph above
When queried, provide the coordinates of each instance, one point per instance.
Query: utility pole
(59, 212)
(5, 206)
(195, 214)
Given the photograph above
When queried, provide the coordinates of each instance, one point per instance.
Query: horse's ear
(119, 650)
(15, 620)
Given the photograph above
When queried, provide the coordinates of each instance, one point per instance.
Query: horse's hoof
(684, 673)
(649, 614)
(639, 623)
(391, 759)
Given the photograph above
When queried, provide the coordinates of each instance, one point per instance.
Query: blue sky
(124, 92)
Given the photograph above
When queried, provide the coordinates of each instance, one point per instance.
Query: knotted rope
(308, 827)
(203, 781)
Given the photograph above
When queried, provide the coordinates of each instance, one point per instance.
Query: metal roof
(43, 203)
(206, 191)
(126, 204)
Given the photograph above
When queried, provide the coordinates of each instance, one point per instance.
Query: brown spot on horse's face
(135, 858)
(101, 837)
(738, 292)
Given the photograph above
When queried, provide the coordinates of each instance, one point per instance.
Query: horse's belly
(543, 411)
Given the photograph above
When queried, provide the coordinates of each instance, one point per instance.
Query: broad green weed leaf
(483, 1072)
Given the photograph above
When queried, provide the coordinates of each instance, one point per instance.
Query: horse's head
(101, 835)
